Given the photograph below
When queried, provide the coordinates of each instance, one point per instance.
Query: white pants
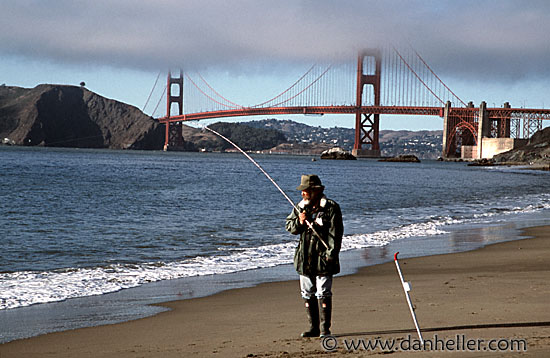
(320, 286)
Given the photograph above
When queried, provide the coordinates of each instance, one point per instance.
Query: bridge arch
(457, 134)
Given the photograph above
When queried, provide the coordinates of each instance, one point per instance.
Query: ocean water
(82, 224)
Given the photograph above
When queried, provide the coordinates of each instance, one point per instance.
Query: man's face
(310, 195)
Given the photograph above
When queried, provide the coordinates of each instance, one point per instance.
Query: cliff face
(537, 150)
(69, 116)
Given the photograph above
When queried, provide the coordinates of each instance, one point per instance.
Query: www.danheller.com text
(457, 343)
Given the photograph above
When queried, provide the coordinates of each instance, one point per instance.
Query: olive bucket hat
(310, 182)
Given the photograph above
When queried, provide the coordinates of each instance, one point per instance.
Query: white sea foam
(26, 288)
(382, 238)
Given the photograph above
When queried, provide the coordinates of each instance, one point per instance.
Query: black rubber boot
(312, 310)
(325, 308)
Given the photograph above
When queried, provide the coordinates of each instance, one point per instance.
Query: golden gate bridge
(378, 82)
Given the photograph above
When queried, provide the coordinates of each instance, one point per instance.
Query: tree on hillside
(249, 138)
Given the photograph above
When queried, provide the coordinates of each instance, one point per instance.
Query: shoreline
(498, 290)
(146, 300)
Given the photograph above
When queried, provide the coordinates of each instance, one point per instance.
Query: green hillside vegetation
(248, 138)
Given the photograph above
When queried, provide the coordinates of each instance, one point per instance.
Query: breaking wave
(18, 289)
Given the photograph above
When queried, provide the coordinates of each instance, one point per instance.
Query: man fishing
(319, 224)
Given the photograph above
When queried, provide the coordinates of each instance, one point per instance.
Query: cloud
(500, 40)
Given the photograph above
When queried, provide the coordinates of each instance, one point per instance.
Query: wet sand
(500, 292)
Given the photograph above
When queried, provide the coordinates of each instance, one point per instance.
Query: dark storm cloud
(472, 39)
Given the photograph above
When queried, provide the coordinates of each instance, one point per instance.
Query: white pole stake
(407, 288)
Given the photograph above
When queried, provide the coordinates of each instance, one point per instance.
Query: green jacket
(312, 258)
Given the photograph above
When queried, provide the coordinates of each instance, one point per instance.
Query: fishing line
(294, 206)
(255, 163)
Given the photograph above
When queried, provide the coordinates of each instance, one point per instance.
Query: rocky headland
(534, 155)
(535, 152)
(72, 116)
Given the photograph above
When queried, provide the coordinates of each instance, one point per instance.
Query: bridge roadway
(251, 111)
(320, 110)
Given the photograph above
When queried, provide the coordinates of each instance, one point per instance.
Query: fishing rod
(294, 206)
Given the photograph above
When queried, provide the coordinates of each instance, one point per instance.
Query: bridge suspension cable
(158, 103)
(287, 90)
(229, 104)
(151, 93)
(219, 95)
(406, 80)
(286, 101)
(439, 79)
(417, 76)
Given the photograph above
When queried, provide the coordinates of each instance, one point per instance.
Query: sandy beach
(490, 302)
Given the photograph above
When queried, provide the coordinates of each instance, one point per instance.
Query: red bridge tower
(367, 124)
(174, 135)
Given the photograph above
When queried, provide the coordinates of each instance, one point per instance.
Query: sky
(484, 50)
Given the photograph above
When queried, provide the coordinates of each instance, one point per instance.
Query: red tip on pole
(395, 256)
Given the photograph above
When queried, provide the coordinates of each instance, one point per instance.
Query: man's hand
(302, 217)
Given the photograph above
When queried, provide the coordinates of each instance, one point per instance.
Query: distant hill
(70, 116)
(424, 144)
(248, 138)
